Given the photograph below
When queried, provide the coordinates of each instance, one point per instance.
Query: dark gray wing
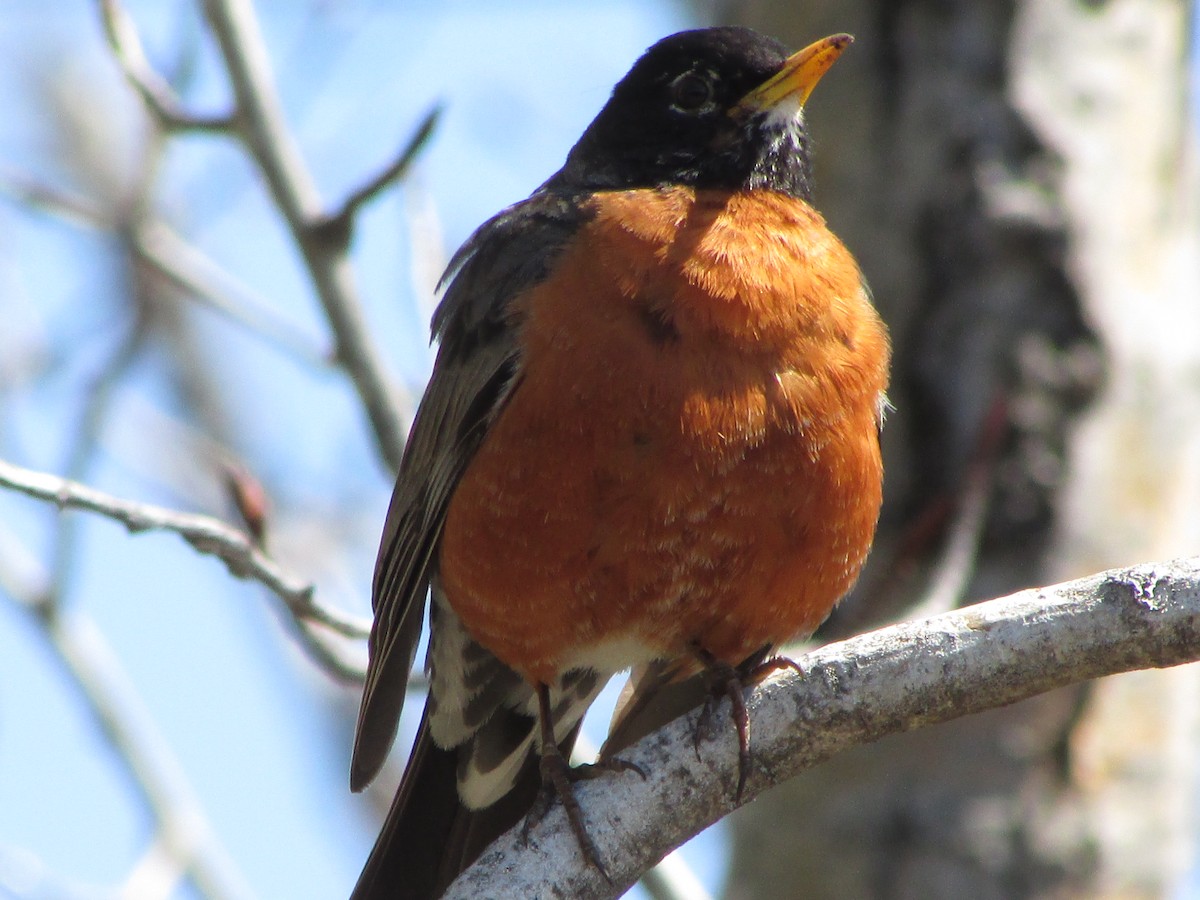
(477, 362)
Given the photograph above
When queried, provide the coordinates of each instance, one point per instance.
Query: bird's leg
(725, 681)
(558, 780)
(730, 681)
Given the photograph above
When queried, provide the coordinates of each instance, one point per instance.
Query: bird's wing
(477, 364)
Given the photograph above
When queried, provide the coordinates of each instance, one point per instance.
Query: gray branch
(160, 100)
(339, 226)
(261, 127)
(853, 693)
(241, 556)
(257, 121)
(204, 280)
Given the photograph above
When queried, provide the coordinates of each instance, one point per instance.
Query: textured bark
(1015, 179)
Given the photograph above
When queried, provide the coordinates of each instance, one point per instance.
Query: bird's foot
(731, 681)
(588, 771)
(558, 780)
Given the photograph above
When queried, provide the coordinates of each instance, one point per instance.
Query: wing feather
(477, 364)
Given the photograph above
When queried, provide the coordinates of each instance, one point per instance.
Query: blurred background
(1017, 179)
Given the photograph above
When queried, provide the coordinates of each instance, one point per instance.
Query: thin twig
(206, 534)
(59, 202)
(158, 96)
(339, 226)
(185, 265)
(204, 279)
(329, 657)
(261, 128)
(954, 568)
(98, 393)
(853, 693)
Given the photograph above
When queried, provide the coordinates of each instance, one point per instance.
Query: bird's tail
(430, 836)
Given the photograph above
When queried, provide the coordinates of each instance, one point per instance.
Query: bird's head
(712, 108)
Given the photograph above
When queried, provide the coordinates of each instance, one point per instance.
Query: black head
(717, 107)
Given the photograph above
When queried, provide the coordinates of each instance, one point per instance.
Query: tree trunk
(1016, 180)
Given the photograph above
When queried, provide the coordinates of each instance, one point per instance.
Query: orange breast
(690, 454)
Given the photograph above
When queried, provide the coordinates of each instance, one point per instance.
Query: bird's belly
(571, 551)
(668, 470)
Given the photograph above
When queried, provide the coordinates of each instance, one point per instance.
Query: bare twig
(157, 873)
(258, 122)
(180, 262)
(99, 395)
(59, 202)
(852, 693)
(204, 279)
(206, 534)
(338, 226)
(262, 129)
(956, 565)
(24, 875)
(160, 100)
(334, 662)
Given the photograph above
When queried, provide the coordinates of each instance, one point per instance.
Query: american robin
(650, 440)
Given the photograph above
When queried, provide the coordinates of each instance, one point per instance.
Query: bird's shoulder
(510, 252)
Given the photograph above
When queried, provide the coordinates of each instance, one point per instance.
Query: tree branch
(160, 100)
(206, 534)
(853, 693)
(59, 202)
(257, 120)
(338, 226)
(207, 282)
(261, 128)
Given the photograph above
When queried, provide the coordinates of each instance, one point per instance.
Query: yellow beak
(799, 75)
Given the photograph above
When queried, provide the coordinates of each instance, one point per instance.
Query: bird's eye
(691, 92)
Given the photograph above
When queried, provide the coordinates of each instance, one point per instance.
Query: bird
(649, 442)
